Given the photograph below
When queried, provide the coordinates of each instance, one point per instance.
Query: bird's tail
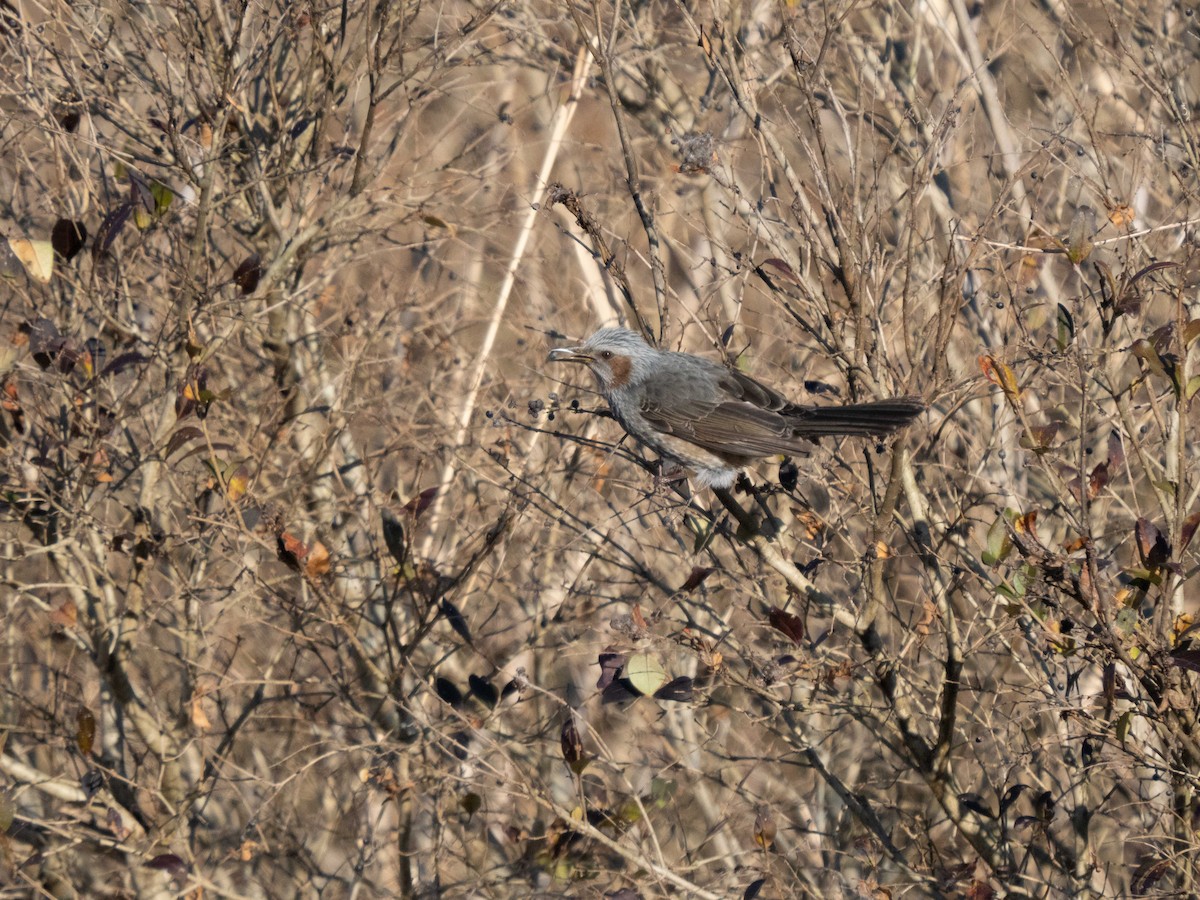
(877, 417)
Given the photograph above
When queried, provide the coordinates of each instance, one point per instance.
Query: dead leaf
(318, 561)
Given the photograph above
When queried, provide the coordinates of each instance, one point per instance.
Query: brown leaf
(291, 550)
(928, 615)
(85, 731)
(1121, 214)
(811, 522)
(246, 276)
(169, 862)
(1149, 871)
(1116, 450)
(318, 560)
(792, 626)
(1026, 524)
(420, 503)
(1188, 531)
(696, 578)
(200, 720)
(123, 362)
(572, 746)
(1098, 480)
(452, 615)
(1039, 437)
(610, 669)
(764, 829)
(779, 267)
(678, 690)
(65, 615)
(1186, 659)
(68, 238)
(112, 225)
(976, 804)
(1152, 546)
(1002, 376)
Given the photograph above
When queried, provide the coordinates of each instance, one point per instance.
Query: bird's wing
(724, 412)
(738, 416)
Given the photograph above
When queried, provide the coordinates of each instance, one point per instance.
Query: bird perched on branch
(702, 416)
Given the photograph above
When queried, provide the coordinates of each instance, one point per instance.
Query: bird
(713, 421)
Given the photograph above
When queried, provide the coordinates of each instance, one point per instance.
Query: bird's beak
(569, 354)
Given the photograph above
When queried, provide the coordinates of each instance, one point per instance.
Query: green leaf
(999, 544)
(162, 195)
(1123, 722)
(662, 790)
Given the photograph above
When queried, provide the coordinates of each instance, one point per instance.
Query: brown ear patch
(621, 369)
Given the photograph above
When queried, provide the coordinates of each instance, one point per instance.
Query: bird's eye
(606, 354)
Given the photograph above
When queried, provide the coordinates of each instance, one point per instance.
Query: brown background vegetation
(308, 559)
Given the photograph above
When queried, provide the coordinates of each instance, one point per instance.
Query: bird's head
(616, 356)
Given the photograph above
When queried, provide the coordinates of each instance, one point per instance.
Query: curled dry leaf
(291, 550)
(572, 746)
(1002, 376)
(317, 563)
(611, 665)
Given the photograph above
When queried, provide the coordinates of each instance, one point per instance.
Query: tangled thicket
(318, 581)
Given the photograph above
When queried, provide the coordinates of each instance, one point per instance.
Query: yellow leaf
(1002, 376)
(238, 482)
(36, 256)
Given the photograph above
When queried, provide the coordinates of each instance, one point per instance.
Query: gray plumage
(711, 419)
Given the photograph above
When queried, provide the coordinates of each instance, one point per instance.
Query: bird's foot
(744, 485)
(668, 475)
